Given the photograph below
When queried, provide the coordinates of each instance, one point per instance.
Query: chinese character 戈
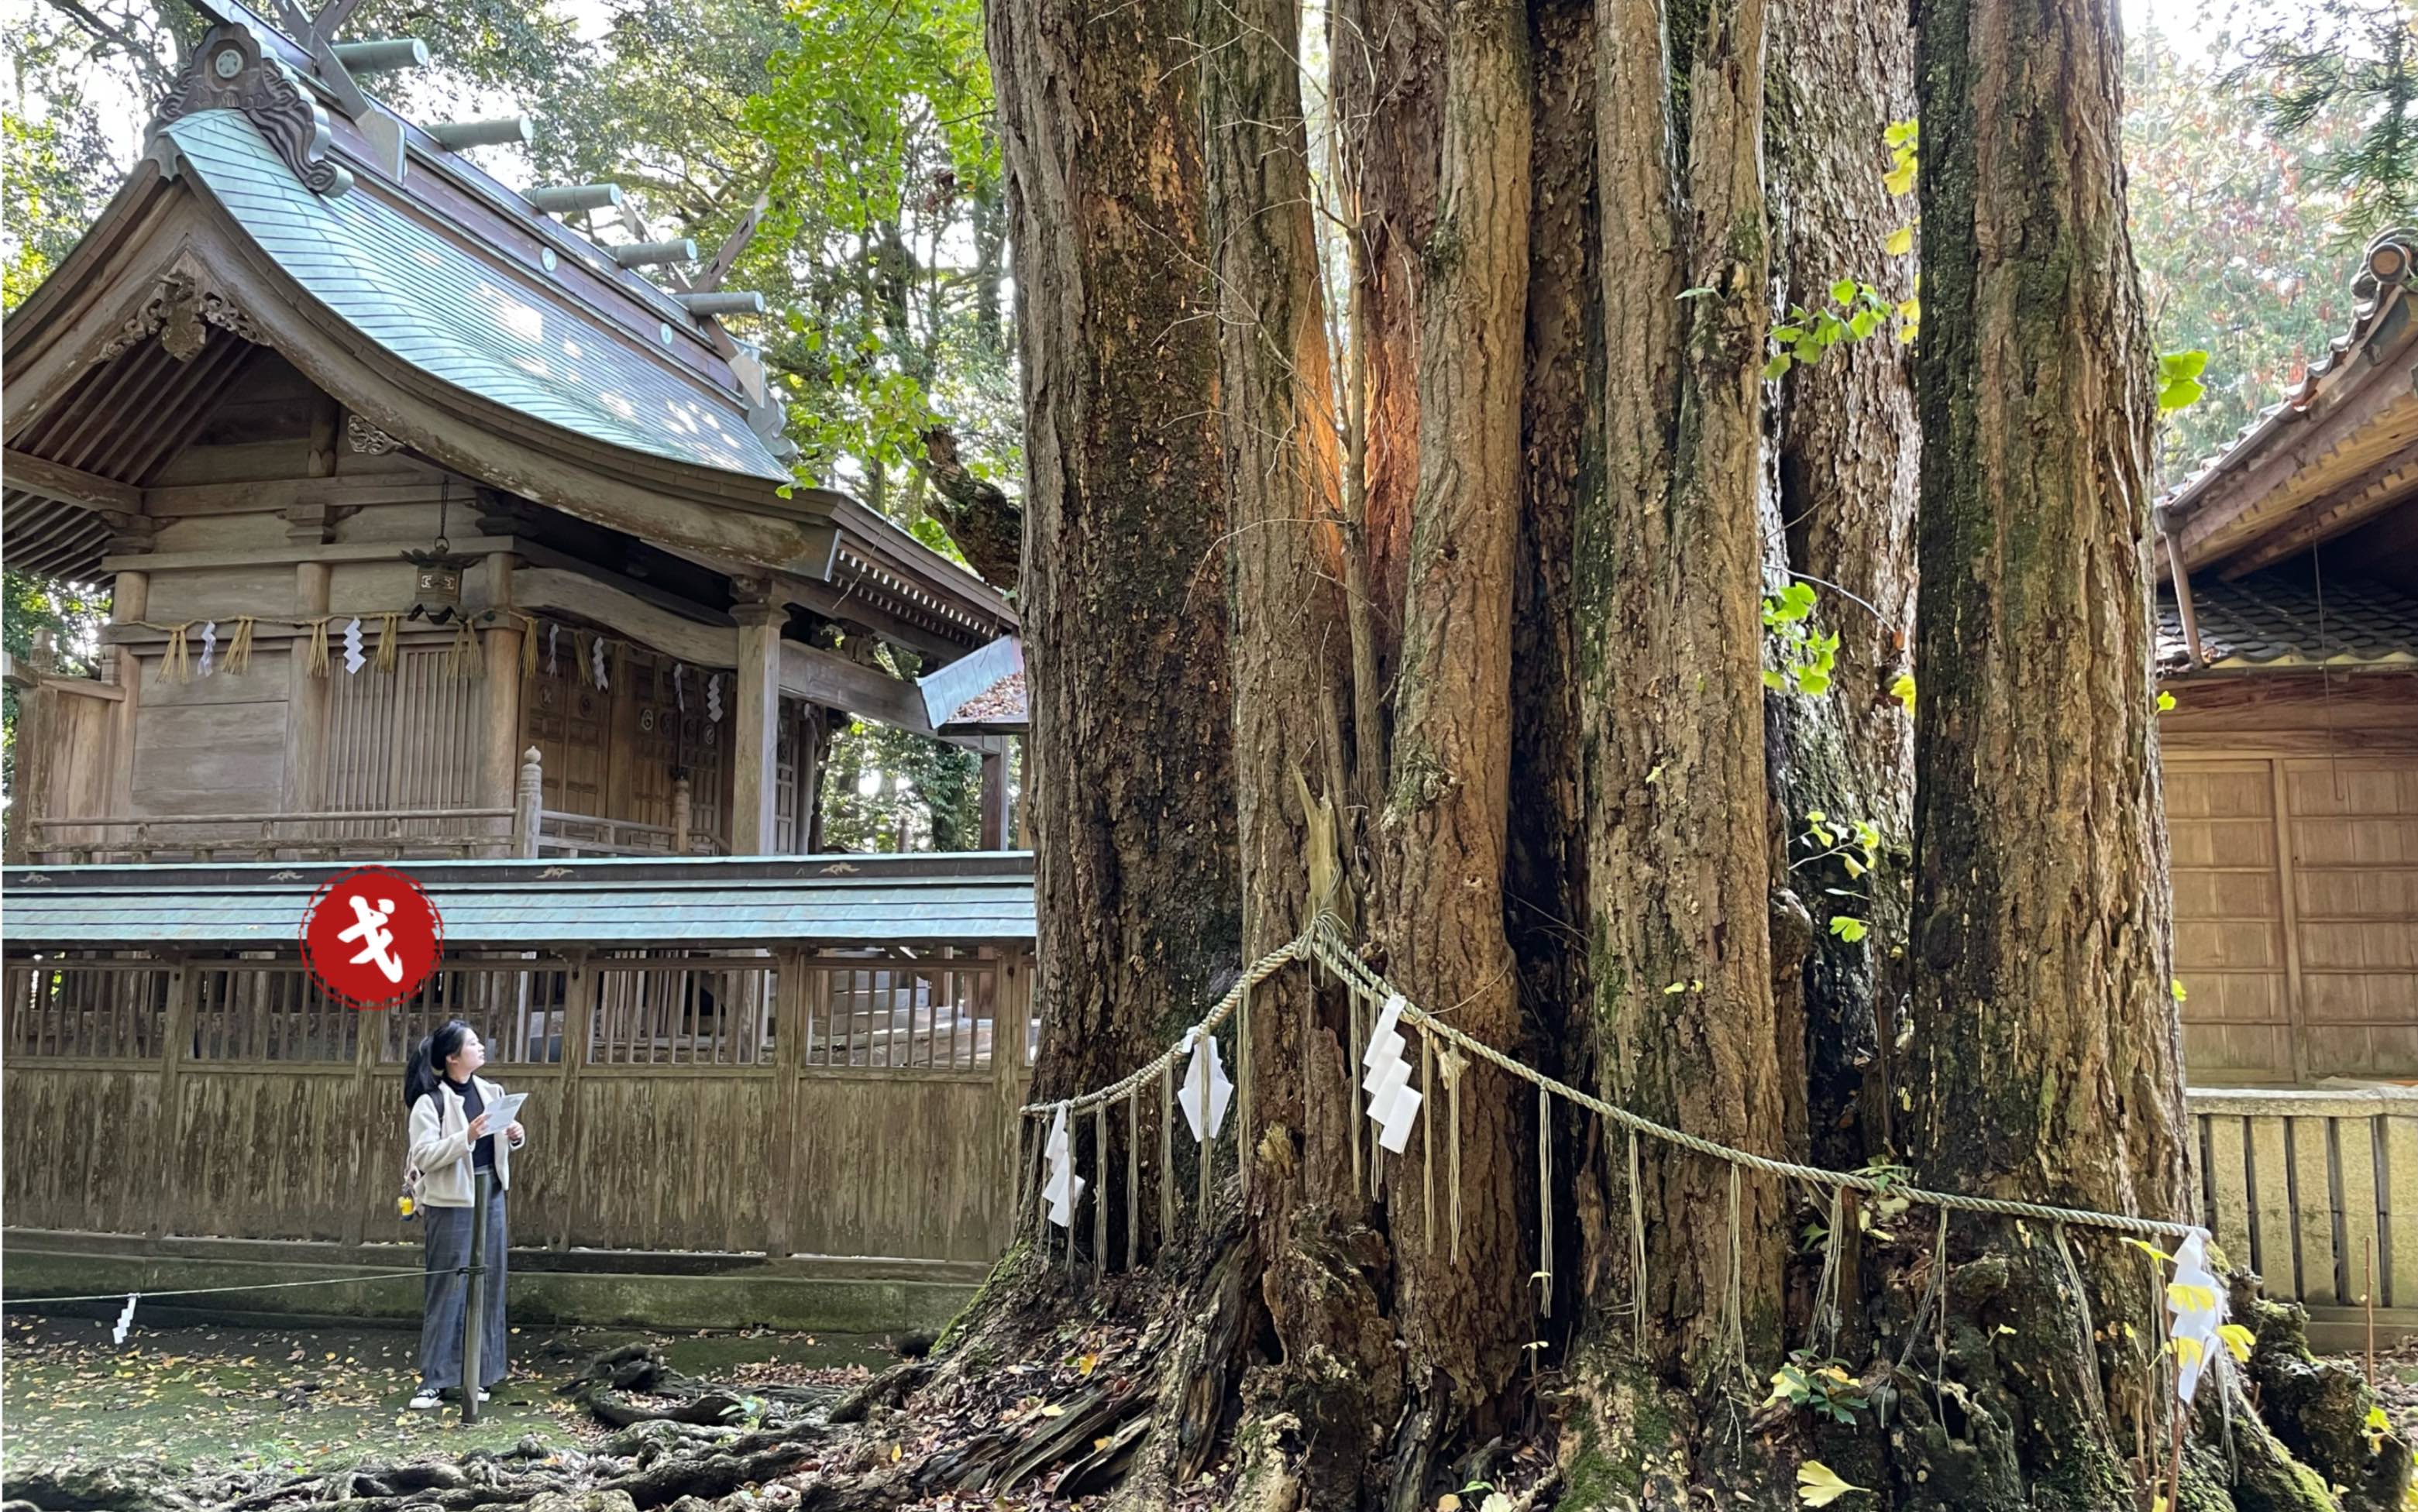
(369, 928)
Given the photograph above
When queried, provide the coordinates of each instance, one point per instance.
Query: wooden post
(681, 809)
(580, 997)
(1009, 1027)
(502, 643)
(184, 985)
(527, 803)
(33, 752)
(792, 984)
(307, 698)
(813, 752)
(994, 800)
(129, 600)
(1023, 828)
(756, 731)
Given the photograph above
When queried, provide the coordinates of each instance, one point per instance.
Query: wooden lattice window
(899, 1013)
(86, 1005)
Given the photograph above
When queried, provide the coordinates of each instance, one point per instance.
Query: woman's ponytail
(426, 1065)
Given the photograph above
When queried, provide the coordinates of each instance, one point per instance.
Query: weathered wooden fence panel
(2317, 1192)
(772, 1102)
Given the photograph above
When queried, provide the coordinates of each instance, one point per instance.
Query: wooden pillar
(528, 803)
(129, 600)
(682, 806)
(994, 797)
(30, 801)
(1023, 792)
(755, 732)
(306, 699)
(814, 744)
(498, 763)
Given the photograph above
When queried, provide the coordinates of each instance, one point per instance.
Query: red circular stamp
(371, 936)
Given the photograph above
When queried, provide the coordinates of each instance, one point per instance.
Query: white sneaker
(483, 1394)
(423, 1400)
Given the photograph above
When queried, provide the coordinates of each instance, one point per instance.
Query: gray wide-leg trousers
(448, 1296)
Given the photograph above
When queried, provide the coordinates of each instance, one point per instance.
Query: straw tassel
(1100, 1197)
(1545, 1203)
(1208, 1141)
(1352, 1085)
(528, 646)
(389, 647)
(175, 663)
(1243, 1146)
(1453, 1067)
(1133, 1177)
(1636, 1249)
(462, 658)
(239, 654)
(1426, 1141)
(314, 648)
(1166, 1153)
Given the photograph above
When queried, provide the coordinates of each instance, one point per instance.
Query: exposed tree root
(2318, 1410)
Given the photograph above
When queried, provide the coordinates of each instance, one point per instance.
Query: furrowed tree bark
(1848, 454)
(1290, 646)
(1445, 825)
(1123, 583)
(1384, 59)
(1562, 463)
(2045, 1059)
(1669, 567)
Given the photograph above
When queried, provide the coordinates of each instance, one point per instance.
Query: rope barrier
(203, 1290)
(1323, 944)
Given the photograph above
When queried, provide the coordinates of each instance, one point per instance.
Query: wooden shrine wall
(786, 1104)
(2292, 811)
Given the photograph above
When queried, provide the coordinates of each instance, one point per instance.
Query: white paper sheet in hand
(1205, 1062)
(1061, 1187)
(505, 1111)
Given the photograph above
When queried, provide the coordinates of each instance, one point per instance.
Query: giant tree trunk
(1446, 822)
(1668, 572)
(2045, 1058)
(1123, 583)
(1290, 645)
(1843, 514)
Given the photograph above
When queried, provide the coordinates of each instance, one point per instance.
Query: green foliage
(1855, 310)
(2178, 380)
(2238, 232)
(923, 795)
(60, 170)
(1810, 1381)
(73, 618)
(2350, 65)
(889, 210)
(1806, 657)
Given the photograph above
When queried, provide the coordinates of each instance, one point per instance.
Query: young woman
(451, 1143)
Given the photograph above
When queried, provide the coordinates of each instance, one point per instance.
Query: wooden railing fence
(829, 1103)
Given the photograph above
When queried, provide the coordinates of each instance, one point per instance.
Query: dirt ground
(217, 1398)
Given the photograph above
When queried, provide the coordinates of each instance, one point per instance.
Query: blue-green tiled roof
(461, 320)
(606, 905)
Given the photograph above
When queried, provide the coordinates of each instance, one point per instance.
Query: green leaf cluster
(2178, 380)
(1807, 658)
(1808, 1380)
(1855, 310)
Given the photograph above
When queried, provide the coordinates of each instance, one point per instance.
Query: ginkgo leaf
(1901, 241)
(2236, 1338)
(1818, 1485)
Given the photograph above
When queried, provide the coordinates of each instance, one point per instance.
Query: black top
(483, 1154)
